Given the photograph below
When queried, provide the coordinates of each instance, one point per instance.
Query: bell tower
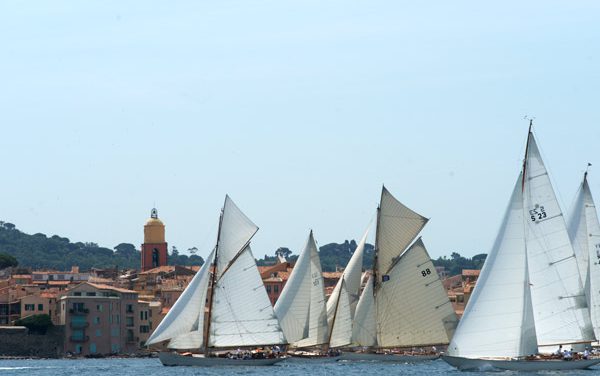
(154, 249)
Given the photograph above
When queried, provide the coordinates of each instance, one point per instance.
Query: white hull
(394, 358)
(468, 364)
(174, 359)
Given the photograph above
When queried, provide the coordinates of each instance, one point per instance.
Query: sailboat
(584, 231)
(529, 294)
(301, 307)
(404, 304)
(225, 306)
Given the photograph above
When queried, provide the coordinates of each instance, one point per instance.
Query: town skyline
(299, 112)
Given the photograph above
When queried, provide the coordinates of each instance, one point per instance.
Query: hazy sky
(300, 110)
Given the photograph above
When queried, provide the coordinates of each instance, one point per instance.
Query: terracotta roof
(57, 283)
(471, 272)
(160, 269)
(108, 287)
(332, 275)
(49, 295)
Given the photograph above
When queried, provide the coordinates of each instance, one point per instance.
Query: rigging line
(562, 259)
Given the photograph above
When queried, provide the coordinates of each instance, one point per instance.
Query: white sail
(187, 314)
(412, 306)
(351, 279)
(397, 227)
(340, 325)
(241, 311)
(364, 327)
(559, 303)
(301, 306)
(235, 232)
(498, 321)
(584, 231)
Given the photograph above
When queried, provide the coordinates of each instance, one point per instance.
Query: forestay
(412, 306)
(560, 307)
(241, 313)
(184, 322)
(498, 319)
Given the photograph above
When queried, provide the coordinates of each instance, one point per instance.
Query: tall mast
(376, 249)
(525, 159)
(212, 284)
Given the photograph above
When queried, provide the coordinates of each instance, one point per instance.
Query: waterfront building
(100, 319)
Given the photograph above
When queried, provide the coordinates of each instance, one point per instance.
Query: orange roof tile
(471, 272)
(108, 287)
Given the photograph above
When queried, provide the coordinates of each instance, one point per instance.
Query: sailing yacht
(225, 307)
(584, 231)
(529, 293)
(404, 304)
(301, 307)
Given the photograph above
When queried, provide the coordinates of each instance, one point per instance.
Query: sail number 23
(537, 213)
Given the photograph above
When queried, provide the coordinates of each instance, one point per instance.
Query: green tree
(37, 324)
(7, 261)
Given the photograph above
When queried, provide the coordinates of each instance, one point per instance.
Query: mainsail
(559, 303)
(301, 306)
(584, 231)
(498, 319)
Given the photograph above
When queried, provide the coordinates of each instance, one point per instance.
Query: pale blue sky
(299, 110)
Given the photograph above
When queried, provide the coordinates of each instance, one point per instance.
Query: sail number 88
(425, 272)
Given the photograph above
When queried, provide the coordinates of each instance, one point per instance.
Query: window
(78, 349)
(40, 307)
(155, 257)
(268, 289)
(98, 332)
(129, 321)
(144, 329)
(92, 348)
(77, 335)
(129, 308)
(99, 307)
(30, 307)
(118, 319)
(90, 294)
(97, 320)
(115, 348)
(276, 289)
(143, 315)
(115, 332)
(129, 335)
(77, 293)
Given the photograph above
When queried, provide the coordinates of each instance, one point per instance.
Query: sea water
(153, 367)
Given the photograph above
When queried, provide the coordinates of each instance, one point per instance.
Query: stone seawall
(20, 343)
